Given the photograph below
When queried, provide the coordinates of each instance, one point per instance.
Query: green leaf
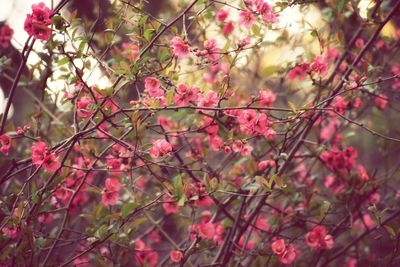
(62, 61)
(148, 34)
(101, 232)
(268, 71)
(325, 206)
(128, 208)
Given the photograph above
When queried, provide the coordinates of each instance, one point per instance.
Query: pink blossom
(176, 256)
(10, 232)
(180, 48)
(359, 43)
(319, 65)
(6, 34)
(221, 15)
(83, 107)
(381, 101)
(36, 24)
(269, 134)
(130, 51)
(5, 142)
(362, 173)
(212, 49)
(210, 126)
(246, 19)
(41, 156)
(185, 95)
(110, 194)
(210, 99)
(262, 165)
(266, 98)
(153, 87)
(216, 142)
(207, 230)
(228, 28)
(288, 256)
(160, 147)
(144, 256)
(319, 239)
(298, 72)
(278, 246)
(266, 11)
(170, 206)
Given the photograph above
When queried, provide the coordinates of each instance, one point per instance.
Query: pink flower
(221, 15)
(207, 230)
(170, 206)
(144, 256)
(252, 122)
(130, 51)
(278, 246)
(359, 43)
(110, 194)
(288, 256)
(210, 126)
(319, 65)
(160, 147)
(246, 18)
(5, 142)
(266, 97)
(269, 134)
(185, 94)
(216, 142)
(10, 232)
(6, 34)
(362, 173)
(180, 48)
(36, 24)
(266, 11)
(244, 42)
(262, 165)
(319, 239)
(209, 100)
(211, 49)
(41, 156)
(176, 256)
(328, 131)
(228, 28)
(298, 72)
(381, 101)
(83, 107)
(152, 87)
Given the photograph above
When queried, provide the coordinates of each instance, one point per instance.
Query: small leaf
(292, 107)
(127, 209)
(62, 61)
(390, 230)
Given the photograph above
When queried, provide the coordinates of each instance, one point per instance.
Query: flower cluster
(318, 238)
(43, 157)
(37, 24)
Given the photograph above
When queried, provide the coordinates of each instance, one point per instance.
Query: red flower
(278, 246)
(5, 142)
(110, 195)
(319, 239)
(160, 147)
(180, 48)
(6, 34)
(36, 24)
(176, 256)
(41, 156)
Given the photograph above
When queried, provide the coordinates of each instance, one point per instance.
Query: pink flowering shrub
(205, 133)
